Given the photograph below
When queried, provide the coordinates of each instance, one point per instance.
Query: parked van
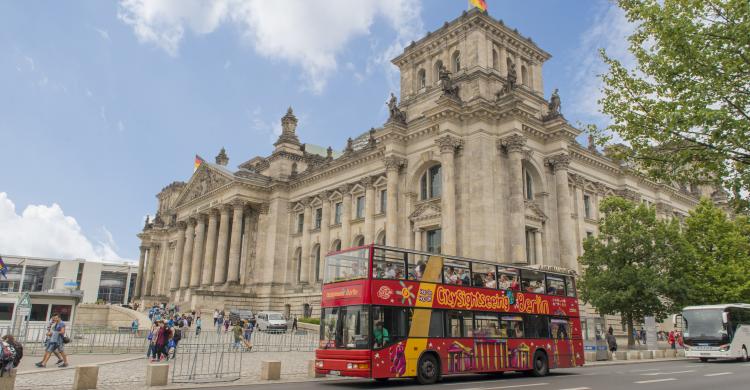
(271, 321)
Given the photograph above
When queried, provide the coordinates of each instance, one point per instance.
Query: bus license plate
(705, 354)
(334, 372)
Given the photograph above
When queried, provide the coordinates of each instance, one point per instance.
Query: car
(271, 321)
(241, 314)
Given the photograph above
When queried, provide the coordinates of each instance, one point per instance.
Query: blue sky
(104, 103)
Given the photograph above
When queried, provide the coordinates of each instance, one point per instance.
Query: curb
(619, 362)
(45, 370)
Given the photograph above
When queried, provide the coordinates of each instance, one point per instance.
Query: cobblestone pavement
(118, 372)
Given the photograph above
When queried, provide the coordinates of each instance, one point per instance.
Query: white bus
(717, 331)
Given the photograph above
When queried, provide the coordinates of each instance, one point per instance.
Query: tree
(685, 108)
(623, 266)
(715, 268)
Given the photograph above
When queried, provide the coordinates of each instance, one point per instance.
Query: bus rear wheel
(541, 366)
(744, 357)
(428, 370)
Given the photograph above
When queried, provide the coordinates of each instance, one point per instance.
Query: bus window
(459, 324)
(387, 264)
(559, 328)
(346, 266)
(570, 286)
(417, 264)
(437, 323)
(486, 325)
(390, 325)
(537, 327)
(508, 278)
(512, 326)
(483, 275)
(532, 281)
(456, 272)
(555, 285)
(345, 327)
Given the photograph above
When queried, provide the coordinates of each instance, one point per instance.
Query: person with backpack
(611, 341)
(56, 342)
(18, 347)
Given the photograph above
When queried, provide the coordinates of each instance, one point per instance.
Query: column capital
(192, 221)
(344, 189)
(225, 208)
(366, 182)
(558, 162)
(263, 208)
(448, 143)
(144, 248)
(237, 203)
(394, 163)
(512, 143)
(201, 217)
(182, 225)
(324, 195)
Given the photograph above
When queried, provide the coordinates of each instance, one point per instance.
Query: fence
(195, 363)
(93, 340)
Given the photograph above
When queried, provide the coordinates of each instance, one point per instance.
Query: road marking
(578, 388)
(514, 386)
(669, 373)
(718, 373)
(649, 369)
(656, 380)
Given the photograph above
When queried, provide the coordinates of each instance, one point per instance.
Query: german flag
(198, 162)
(481, 4)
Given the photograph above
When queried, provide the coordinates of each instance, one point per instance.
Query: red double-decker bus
(397, 313)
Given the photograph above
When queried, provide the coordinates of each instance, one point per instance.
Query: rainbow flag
(3, 268)
(481, 4)
(198, 162)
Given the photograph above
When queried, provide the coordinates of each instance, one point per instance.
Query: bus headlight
(724, 348)
(357, 366)
(319, 363)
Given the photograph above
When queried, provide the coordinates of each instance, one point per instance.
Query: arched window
(336, 246)
(381, 238)
(430, 184)
(316, 256)
(421, 79)
(456, 61)
(495, 62)
(298, 258)
(524, 75)
(359, 240)
(528, 185)
(438, 65)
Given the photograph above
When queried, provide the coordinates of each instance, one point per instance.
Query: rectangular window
(63, 310)
(383, 200)
(587, 206)
(345, 327)
(389, 324)
(38, 312)
(337, 213)
(530, 247)
(486, 325)
(559, 328)
(537, 327)
(6, 311)
(387, 264)
(570, 286)
(529, 188)
(300, 222)
(360, 207)
(508, 278)
(459, 324)
(436, 187)
(483, 275)
(434, 241)
(511, 327)
(437, 324)
(555, 285)
(423, 187)
(318, 218)
(532, 281)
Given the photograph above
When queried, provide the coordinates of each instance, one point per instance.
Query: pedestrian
(216, 316)
(237, 333)
(636, 336)
(134, 326)
(163, 335)
(46, 340)
(18, 347)
(227, 322)
(176, 337)
(643, 336)
(152, 333)
(671, 338)
(56, 341)
(611, 341)
(219, 323)
(247, 334)
(198, 324)
(294, 324)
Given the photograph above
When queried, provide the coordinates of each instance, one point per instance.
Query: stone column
(538, 82)
(514, 146)
(151, 256)
(187, 255)
(538, 255)
(266, 270)
(209, 259)
(235, 244)
(221, 246)
(247, 231)
(392, 166)
(200, 237)
(418, 239)
(369, 210)
(448, 145)
(503, 59)
(139, 277)
(325, 230)
(346, 216)
(559, 164)
(304, 271)
(519, 75)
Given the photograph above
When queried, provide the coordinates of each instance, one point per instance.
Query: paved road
(671, 375)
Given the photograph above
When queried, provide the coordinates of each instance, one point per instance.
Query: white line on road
(648, 369)
(514, 386)
(656, 380)
(718, 373)
(669, 373)
(578, 388)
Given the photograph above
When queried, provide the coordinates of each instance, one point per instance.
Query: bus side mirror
(725, 317)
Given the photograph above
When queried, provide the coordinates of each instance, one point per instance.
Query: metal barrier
(195, 363)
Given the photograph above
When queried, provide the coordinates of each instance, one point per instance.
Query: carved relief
(558, 162)
(448, 143)
(394, 162)
(206, 181)
(513, 143)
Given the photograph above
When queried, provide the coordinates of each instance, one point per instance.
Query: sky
(104, 103)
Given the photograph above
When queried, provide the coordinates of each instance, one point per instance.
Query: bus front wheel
(428, 370)
(541, 366)
(744, 357)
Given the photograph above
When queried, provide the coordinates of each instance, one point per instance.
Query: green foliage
(623, 265)
(310, 320)
(685, 108)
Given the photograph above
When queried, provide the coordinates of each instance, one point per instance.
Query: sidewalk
(616, 362)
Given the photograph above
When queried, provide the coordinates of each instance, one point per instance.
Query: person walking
(56, 340)
(237, 333)
(163, 335)
(18, 347)
(134, 326)
(219, 323)
(216, 316)
(294, 324)
(227, 322)
(611, 342)
(671, 338)
(46, 340)
(176, 337)
(247, 334)
(198, 325)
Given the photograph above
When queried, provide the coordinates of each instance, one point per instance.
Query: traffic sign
(25, 301)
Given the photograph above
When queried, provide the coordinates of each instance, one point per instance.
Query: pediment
(425, 212)
(534, 211)
(380, 182)
(205, 180)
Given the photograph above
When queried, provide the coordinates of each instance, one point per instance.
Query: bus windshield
(345, 327)
(346, 266)
(704, 324)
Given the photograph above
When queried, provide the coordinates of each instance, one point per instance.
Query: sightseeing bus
(397, 313)
(716, 331)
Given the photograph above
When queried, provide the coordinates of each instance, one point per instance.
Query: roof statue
(396, 115)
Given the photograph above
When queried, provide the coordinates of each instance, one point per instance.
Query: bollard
(311, 370)
(659, 354)
(86, 377)
(670, 353)
(8, 380)
(621, 355)
(634, 355)
(270, 370)
(647, 354)
(157, 374)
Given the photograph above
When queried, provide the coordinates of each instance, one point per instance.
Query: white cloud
(102, 33)
(45, 231)
(305, 33)
(610, 31)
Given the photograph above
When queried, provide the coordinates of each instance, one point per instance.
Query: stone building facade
(474, 161)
